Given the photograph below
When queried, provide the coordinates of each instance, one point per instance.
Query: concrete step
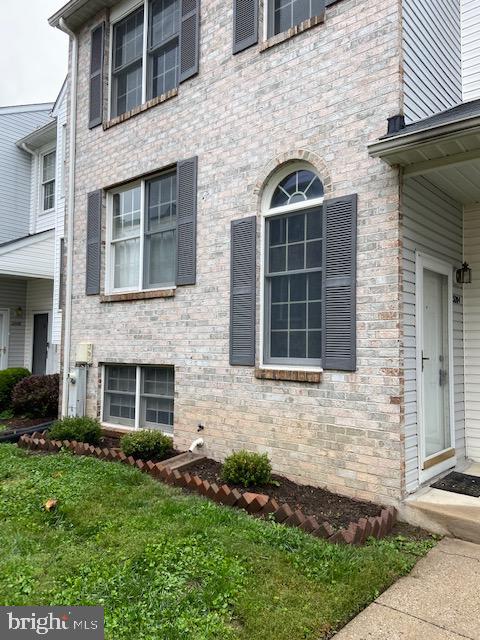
(444, 512)
(183, 461)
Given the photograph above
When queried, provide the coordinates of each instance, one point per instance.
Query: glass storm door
(437, 445)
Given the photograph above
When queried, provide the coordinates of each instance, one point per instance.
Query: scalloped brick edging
(253, 503)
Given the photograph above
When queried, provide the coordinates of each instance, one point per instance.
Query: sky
(33, 55)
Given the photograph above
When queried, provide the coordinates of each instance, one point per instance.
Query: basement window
(140, 397)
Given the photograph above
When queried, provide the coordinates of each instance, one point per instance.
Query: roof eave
(385, 147)
(36, 138)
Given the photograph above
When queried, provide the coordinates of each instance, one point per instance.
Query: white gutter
(70, 212)
(411, 139)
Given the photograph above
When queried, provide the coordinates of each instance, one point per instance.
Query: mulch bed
(338, 510)
(20, 423)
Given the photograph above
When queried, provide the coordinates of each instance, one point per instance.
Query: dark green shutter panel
(189, 38)
(186, 221)
(242, 291)
(245, 24)
(96, 76)
(339, 308)
(94, 242)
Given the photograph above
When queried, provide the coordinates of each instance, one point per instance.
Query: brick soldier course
(253, 503)
(318, 96)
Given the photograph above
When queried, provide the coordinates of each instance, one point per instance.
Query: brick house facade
(318, 96)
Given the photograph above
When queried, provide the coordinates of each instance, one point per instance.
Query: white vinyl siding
(432, 224)
(471, 293)
(13, 296)
(30, 258)
(16, 174)
(39, 300)
(471, 49)
(431, 57)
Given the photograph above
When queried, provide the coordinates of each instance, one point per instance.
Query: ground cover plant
(174, 566)
(81, 429)
(147, 445)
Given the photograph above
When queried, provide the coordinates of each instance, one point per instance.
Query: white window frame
(117, 14)
(266, 20)
(138, 397)
(110, 262)
(41, 156)
(266, 213)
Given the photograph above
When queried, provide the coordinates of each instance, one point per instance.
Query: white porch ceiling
(450, 159)
(30, 257)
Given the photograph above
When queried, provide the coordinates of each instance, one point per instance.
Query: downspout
(70, 212)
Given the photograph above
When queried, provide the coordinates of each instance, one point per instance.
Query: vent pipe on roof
(395, 124)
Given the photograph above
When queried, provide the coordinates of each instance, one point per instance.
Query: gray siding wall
(431, 57)
(15, 171)
(432, 224)
(471, 49)
(12, 296)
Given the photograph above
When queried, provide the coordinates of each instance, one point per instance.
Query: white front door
(435, 367)
(4, 335)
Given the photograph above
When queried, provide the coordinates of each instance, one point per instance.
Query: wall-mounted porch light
(18, 312)
(464, 275)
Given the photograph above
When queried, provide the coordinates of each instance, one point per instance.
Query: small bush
(79, 429)
(36, 396)
(8, 379)
(148, 445)
(247, 469)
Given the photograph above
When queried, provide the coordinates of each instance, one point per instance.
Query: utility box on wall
(84, 353)
(77, 392)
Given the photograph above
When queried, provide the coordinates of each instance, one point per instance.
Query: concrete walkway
(439, 600)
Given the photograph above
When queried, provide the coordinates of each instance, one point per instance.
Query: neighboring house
(31, 231)
(242, 260)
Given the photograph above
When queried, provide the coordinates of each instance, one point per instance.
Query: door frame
(433, 465)
(34, 313)
(6, 334)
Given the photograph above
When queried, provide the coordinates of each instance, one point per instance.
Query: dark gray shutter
(94, 243)
(339, 308)
(96, 76)
(245, 24)
(242, 291)
(186, 221)
(189, 38)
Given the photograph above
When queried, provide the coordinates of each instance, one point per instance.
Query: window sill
(286, 35)
(138, 295)
(312, 377)
(140, 109)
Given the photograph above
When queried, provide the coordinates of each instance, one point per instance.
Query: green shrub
(79, 429)
(8, 380)
(247, 468)
(36, 396)
(147, 445)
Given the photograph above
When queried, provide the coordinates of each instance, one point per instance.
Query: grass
(168, 566)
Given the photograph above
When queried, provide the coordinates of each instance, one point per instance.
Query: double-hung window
(48, 181)
(142, 247)
(139, 397)
(293, 271)
(145, 62)
(285, 14)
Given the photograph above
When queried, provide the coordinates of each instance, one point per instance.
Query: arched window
(293, 212)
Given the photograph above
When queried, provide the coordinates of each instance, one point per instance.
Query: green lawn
(169, 566)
